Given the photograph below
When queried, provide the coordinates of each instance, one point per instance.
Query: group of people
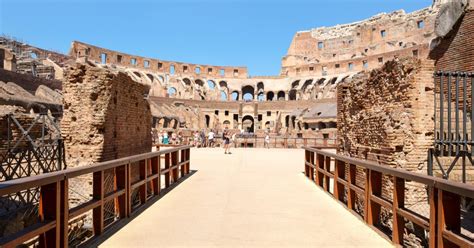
(200, 138)
(165, 138)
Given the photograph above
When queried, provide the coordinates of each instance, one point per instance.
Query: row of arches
(299, 89)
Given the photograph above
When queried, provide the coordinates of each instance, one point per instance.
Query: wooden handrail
(54, 211)
(444, 222)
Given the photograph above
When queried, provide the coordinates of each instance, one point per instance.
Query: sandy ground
(251, 198)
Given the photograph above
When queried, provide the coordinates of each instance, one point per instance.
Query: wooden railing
(443, 220)
(54, 210)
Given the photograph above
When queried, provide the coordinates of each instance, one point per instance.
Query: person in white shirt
(267, 141)
(210, 138)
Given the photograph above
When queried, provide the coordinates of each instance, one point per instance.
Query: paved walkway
(251, 198)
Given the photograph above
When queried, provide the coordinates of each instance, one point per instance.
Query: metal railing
(54, 211)
(359, 184)
(453, 123)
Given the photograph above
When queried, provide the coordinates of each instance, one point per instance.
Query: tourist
(234, 137)
(160, 137)
(165, 138)
(203, 138)
(196, 139)
(267, 141)
(226, 136)
(174, 139)
(210, 138)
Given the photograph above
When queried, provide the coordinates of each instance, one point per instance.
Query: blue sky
(253, 33)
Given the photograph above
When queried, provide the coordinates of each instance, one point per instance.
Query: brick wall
(105, 115)
(385, 115)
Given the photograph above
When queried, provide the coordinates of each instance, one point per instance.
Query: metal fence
(454, 119)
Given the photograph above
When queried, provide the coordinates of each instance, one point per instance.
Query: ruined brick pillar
(105, 115)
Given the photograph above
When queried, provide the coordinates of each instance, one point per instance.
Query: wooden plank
(449, 216)
(121, 184)
(398, 223)
(320, 165)
(375, 189)
(64, 214)
(167, 174)
(142, 190)
(339, 173)
(415, 218)
(327, 168)
(351, 194)
(49, 210)
(175, 163)
(433, 200)
(98, 194)
(155, 170)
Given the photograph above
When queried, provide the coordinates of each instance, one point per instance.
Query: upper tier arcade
(106, 56)
(360, 45)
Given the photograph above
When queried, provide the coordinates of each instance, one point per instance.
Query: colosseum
(394, 89)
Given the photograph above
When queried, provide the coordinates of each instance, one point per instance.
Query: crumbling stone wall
(386, 115)
(105, 115)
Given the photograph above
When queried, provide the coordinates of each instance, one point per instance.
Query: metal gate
(453, 124)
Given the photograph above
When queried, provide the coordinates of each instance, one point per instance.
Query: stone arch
(248, 124)
(187, 82)
(172, 91)
(211, 84)
(295, 84)
(248, 93)
(235, 95)
(208, 120)
(223, 96)
(306, 84)
(281, 95)
(292, 95)
(270, 96)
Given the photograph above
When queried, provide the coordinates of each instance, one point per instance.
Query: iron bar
(449, 114)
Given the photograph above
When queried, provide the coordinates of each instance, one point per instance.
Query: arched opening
(331, 124)
(306, 84)
(321, 81)
(287, 121)
(293, 121)
(211, 84)
(137, 74)
(171, 92)
(248, 124)
(187, 82)
(223, 96)
(267, 125)
(270, 96)
(199, 82)
(235, 96)
(292, 95)
(295, 84)
(321, 125)
(226, 124)
(208, 120)
(260, 97)
(223, 84)
(150, 77)
(333, 81)
(248, 93)
(281, 96)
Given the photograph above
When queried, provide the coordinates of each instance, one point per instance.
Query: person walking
(210, 138)
(226, 136)
(267, 141)
(165, 138)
